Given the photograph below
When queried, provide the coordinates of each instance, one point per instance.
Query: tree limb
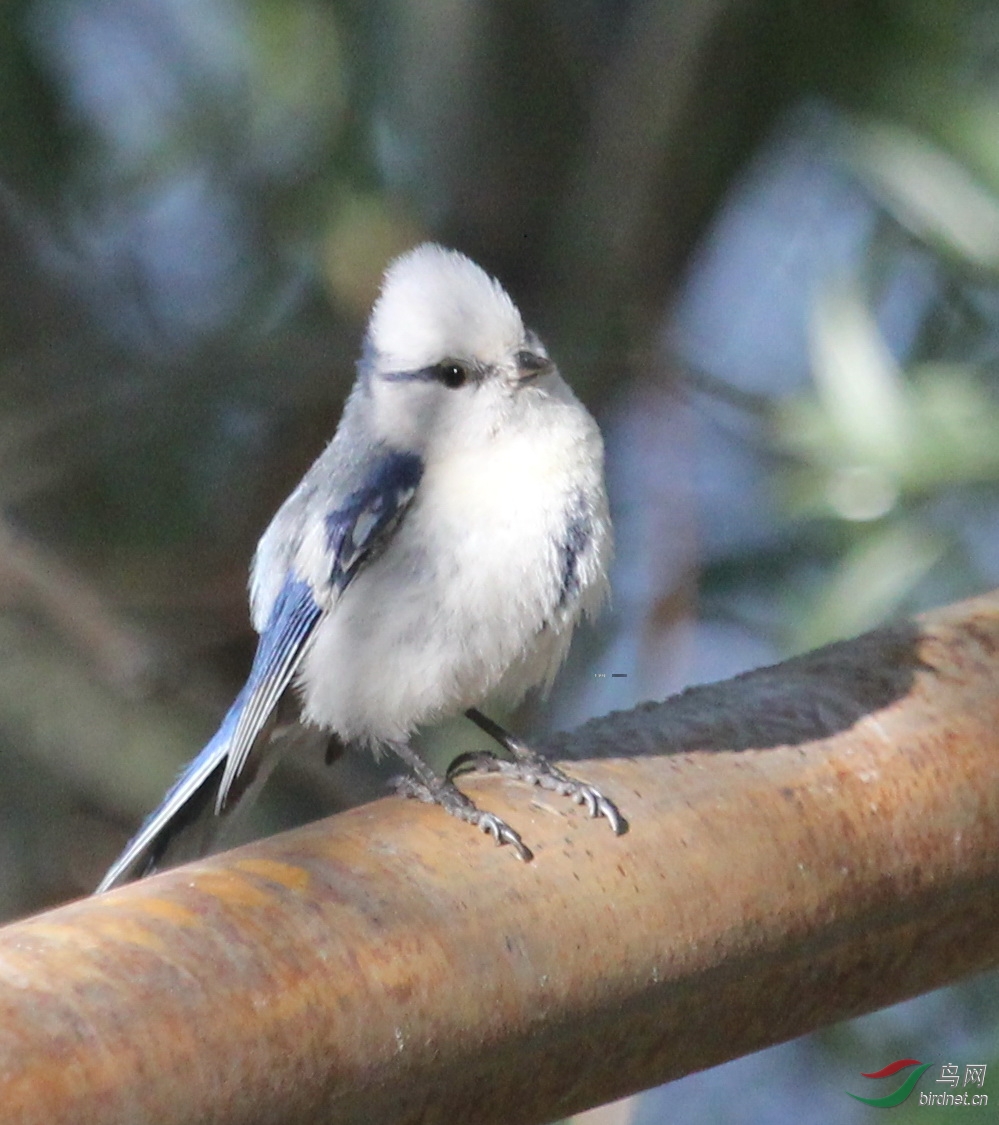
(807, 843)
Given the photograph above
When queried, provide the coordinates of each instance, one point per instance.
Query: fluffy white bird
(435, 558)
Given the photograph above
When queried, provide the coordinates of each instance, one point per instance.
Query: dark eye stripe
(451, 373)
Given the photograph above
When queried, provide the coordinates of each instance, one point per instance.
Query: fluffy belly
(459, 611)
(381, 666)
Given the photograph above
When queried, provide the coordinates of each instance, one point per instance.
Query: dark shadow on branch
(804, 699)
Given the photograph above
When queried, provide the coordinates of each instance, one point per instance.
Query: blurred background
(760, 237)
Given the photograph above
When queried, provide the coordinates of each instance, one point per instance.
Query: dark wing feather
(360, 527)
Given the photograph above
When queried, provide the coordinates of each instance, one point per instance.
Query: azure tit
(433, 561)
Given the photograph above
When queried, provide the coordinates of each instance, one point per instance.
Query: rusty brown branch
(807, 843)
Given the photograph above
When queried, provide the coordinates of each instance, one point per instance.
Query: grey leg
(427, 786)
(528, 765)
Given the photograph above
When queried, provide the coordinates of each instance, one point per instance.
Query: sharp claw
(596, 803)
(502, 833)
(609, 810)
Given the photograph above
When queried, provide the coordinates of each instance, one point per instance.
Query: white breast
(463, 605)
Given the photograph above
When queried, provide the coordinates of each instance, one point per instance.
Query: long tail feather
(192, 795)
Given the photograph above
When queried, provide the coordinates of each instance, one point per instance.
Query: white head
(447, 353)
(436, 302)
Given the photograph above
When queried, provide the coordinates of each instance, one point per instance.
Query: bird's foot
(449, 797)
(531, 767)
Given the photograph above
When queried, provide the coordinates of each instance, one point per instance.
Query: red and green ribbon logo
(898, 1096)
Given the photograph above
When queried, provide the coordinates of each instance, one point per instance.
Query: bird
(434, 560)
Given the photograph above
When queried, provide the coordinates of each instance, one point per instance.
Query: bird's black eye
(451, 374)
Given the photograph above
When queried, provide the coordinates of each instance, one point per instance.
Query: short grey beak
(530, 366)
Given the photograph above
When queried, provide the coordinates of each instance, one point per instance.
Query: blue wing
(245, 728)
(356, 532)
(293, 618)
(357, 529)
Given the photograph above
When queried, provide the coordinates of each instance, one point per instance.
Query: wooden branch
(807, 843)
